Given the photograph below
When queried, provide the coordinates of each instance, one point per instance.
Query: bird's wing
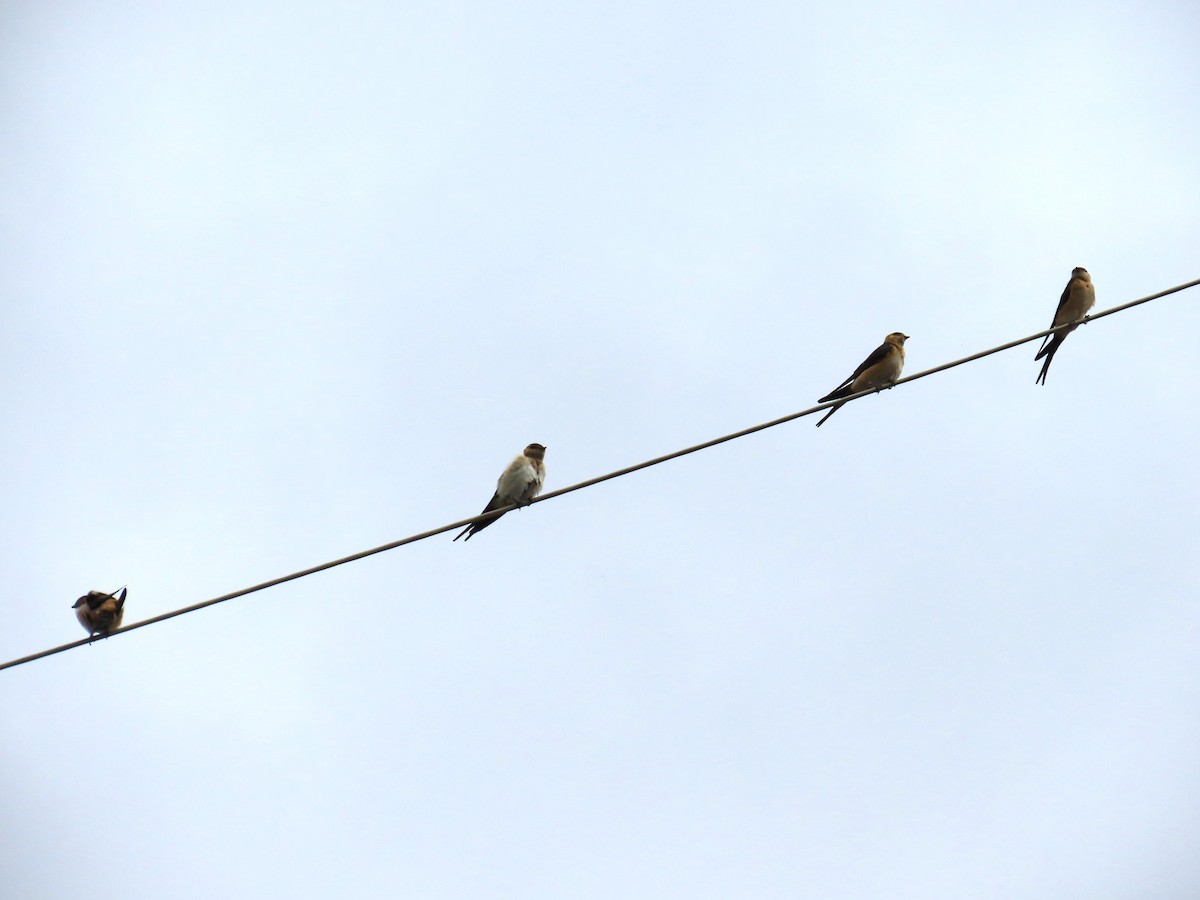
(833, 395)
(881, 353)
(1062, 304)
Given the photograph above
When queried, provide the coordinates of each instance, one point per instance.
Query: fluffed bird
(1078, 297)
(879, 370)
(100, 613)
(518, 484)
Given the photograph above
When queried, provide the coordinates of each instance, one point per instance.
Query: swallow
(879, 370)
(518, 485)
(100, 613)
(1078, 297)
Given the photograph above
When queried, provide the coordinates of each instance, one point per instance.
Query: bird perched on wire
(100, 613)
(879, 370)
(518, 484)
(1078, 297)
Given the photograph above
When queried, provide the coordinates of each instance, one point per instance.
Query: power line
(591, 481)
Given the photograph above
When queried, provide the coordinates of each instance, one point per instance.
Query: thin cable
(589, 483)
(1041, 334)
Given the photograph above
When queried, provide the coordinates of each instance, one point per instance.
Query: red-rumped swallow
(879, 370)
(1078, 297)
(100, 613)
(518, 484)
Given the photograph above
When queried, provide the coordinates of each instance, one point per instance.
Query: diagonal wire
(590, 482)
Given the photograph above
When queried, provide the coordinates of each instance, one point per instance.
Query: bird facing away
(1078, 297)
(100, 613)
(879, 370)
(518, 484)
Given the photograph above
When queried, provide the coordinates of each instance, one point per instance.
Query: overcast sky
(286, 281)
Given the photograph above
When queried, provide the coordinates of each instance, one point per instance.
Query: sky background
(286, 281)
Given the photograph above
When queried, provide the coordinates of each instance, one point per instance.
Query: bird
(100, 613)
(879, 370)
(1078, 297)
(518, 485)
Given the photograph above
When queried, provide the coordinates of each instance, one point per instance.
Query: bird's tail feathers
(1041, 379)
(493, 504)
(828, 414)
(1042, 349)
(1053, 341)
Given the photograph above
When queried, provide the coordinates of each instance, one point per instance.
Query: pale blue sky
(287, 281)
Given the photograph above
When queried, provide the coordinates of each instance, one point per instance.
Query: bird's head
(896, 337)
(535, 451)
(93, 599)
(1081, 273)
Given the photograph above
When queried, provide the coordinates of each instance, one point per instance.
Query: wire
(495, 514)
